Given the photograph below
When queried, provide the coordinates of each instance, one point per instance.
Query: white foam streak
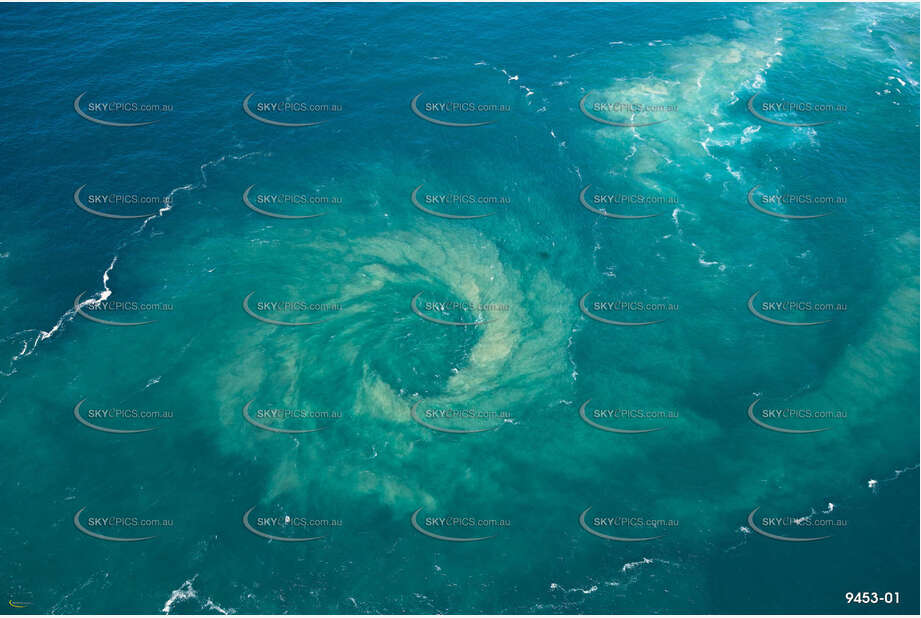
(182, 593)
(33, 337)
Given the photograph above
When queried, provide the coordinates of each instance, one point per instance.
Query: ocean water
(380, 382)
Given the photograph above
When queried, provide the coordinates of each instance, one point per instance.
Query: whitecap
(632, 565)
(94, 300)
(182, 593)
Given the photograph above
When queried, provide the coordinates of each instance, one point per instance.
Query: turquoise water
(527, 358)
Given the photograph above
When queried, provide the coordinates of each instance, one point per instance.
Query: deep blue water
(529, 356)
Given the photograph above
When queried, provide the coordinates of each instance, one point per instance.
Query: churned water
(620, 349)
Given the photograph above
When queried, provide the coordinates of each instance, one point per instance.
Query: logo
(107, 123)
(751, 415)
(297, 306)
(611, 429)
(605, 213)
(588, 114)
(777, 537)
(281, 413)
(270, 521)
(761, 316)
(78, 307)
(253, 207)
(751, 108)
(751, 202)
(276, 123)
(449, 521)
(414, 197)
(454, 305)
(598, 318)
(96, 535)
(414, 106)
(609, 537)
(451, 414)
(79, 202)
(85, 422)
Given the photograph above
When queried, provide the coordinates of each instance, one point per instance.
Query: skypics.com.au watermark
(298, 528)
(616, 311)
(467, 420)
(457, 528)
(117, 528)
(457, 312)
(120, 420)
(795, 529)
(289, 113)
(456, 113)
(766, 310)
(795, 205)
(777, 112)
(118, 112)
(624, 528)
(626, 420)
(289, 420)
(808, 420)
(94, 308)
(628, 114)
(289, 205)
(457, 205)
(293, 310)
(120, 205)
